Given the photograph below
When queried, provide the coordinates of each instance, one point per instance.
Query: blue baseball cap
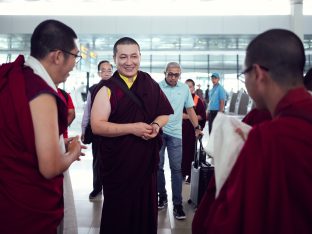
(215, 74)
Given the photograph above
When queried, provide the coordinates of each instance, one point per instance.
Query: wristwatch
(198, 127)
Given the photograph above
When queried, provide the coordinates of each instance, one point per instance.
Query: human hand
(198, 133)
(240, 132)
(154, 133)
(74, 148)
(142, 129)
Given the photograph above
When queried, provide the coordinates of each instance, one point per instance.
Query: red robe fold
(256, 116)
(129, 163)
(29, 203)
(269, 189)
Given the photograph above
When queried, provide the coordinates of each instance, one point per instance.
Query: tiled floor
(89, 213)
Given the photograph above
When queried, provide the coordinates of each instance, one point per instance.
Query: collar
(127, 81)
(165, 83)
(39, 70)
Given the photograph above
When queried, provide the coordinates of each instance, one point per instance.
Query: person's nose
(129, 61)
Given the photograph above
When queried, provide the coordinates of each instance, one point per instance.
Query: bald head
(281, 52)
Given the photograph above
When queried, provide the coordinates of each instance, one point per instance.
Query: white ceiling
(150, 7)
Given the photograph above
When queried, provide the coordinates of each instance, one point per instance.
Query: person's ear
(261, 78)
(261, 74)
(56, 56)
(114, 58)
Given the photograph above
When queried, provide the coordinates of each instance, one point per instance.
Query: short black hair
(104, 61)
(190, 80)
(125, 41)
(282, 52)
(50, 35)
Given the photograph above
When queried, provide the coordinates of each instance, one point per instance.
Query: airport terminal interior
(203, 36)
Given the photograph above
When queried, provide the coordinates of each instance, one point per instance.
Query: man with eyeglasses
(34, 157)
(105, 71)
(269, 188)
(179, 97)
(217, 98)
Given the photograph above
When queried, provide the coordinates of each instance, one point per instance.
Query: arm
(71, 116)
(186, 116)
(158, 123)
(222, 98)
(50, 158)
(194, 120)
(162, 120)
(192, 116)
(71, 110)
(86, 115)
(100, 113)
(221, 106)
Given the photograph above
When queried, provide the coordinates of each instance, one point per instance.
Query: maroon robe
(129, 163)
(29, 203)
(256, 116)
(269, 189)
(188, 137)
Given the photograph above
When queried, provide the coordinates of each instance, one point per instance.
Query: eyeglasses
(175, 75)
(105, 71)
(77, 56)
(241, 76)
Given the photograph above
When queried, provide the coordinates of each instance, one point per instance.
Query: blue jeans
(174, 149)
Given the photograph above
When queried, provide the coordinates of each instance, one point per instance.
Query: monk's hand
(142, 130)
(154, 133)
(67, 140)
(74, 148)
(240, 132)
(198, 133)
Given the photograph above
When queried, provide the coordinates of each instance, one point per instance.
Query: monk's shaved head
(282, 52)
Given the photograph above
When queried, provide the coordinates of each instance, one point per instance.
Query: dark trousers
(211, 116)
(97, 179)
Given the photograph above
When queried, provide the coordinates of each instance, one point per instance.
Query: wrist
(198, 127)
(155, 124)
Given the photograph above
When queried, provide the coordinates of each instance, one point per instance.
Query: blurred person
(105, 71)
(188, 132)
(269, 187)
(217, 98)
(33, 155)
(256, 116)
(71, 113)
(207, 95)
(308, 80)
(199, 92)
(129, 142)
(179, 97)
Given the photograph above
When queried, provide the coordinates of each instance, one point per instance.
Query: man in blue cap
(217, 97)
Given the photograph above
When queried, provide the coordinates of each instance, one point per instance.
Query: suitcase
(201, 173)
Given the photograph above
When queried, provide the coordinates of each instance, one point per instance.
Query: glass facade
(199, 55)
